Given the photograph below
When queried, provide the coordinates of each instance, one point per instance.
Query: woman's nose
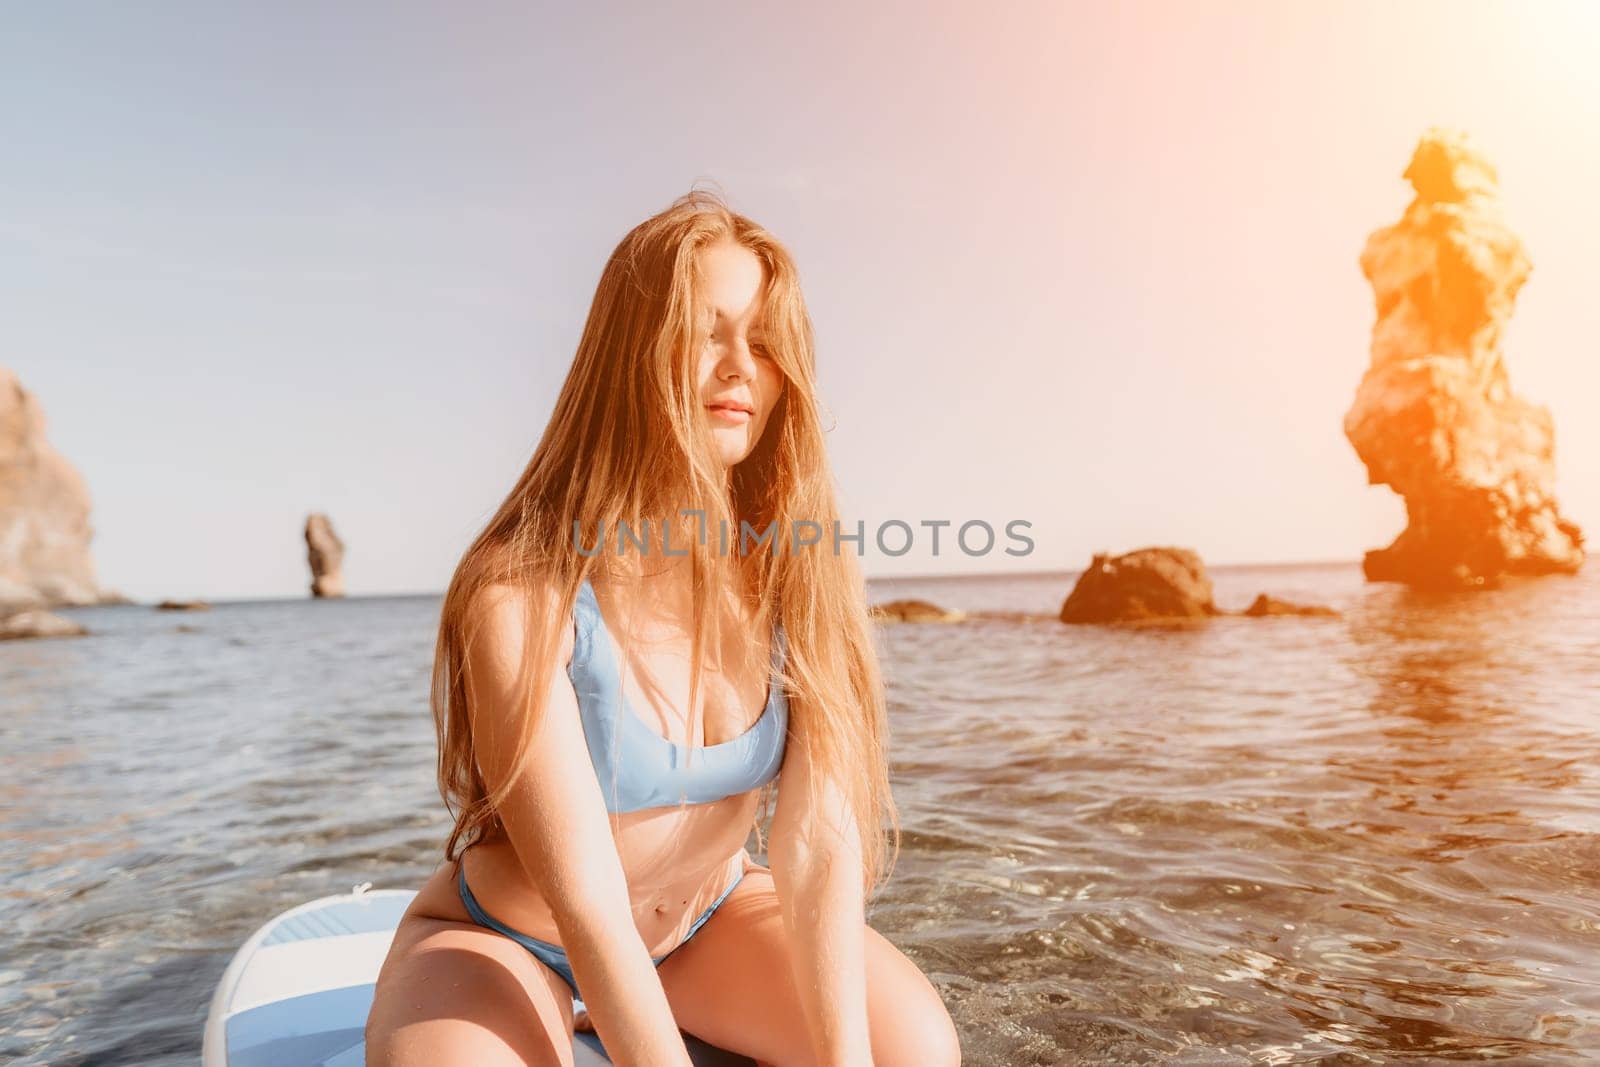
(738, 360)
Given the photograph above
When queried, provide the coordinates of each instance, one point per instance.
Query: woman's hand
(580, 1021)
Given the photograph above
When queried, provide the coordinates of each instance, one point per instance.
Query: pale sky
(1093, 266)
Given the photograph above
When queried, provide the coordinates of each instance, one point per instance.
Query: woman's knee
(907, 1019)
(919, 1034)
(450, 995)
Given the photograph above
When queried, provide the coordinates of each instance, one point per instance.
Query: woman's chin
(732, 442)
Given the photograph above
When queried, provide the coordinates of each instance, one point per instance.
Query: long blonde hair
(627, 443)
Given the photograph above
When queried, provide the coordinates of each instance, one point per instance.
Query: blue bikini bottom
(553, 955)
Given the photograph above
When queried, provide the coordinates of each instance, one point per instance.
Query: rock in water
(36, 623)
(1149, 583)
(44, 512)
(914, 611)
(183, 605)
(1434, 417)
(327, 556)
(1264, 605)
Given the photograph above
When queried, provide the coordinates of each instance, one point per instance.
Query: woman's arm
(556, 819)
(817, 869)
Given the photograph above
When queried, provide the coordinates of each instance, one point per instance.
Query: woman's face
(739, 382)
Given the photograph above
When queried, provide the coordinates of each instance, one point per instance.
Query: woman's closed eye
(759, 349)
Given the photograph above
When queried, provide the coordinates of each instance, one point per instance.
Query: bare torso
(677, 860)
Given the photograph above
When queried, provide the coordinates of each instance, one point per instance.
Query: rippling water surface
(1365, 839)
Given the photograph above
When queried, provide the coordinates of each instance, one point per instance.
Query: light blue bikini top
(637, 767)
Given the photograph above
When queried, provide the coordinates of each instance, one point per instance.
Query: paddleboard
(297, 993)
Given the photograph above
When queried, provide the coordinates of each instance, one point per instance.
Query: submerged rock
(326, 553)
(44, 512)
(1146, 584)
(35, 622)
(1160, 584)
(914, 611)
(1434, 417)
(183, 605)
(1271, 605)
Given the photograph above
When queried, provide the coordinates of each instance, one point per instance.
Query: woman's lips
(737, 416)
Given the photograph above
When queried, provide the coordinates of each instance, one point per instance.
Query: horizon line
(921, 577)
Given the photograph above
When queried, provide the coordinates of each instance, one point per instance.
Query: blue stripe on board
(306, 1030)
(354, 1056)
(358, 915)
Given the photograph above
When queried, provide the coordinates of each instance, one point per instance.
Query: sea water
(1361, 839)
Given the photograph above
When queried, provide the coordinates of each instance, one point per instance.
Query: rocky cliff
(1434, 417)
(44, 512)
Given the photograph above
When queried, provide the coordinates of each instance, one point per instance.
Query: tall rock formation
(1434, 417)
(44, 512)
(326, 553)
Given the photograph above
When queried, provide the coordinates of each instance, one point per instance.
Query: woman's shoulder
(511, 612)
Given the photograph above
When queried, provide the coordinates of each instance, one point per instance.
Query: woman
(601, 817)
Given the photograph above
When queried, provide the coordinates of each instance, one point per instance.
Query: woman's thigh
(732, 985)
(454, 993)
